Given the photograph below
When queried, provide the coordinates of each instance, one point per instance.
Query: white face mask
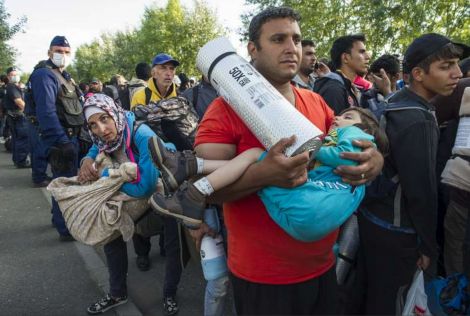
(60, 60)
(15, 79)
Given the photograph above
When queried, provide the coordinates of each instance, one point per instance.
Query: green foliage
(7, 31)
(174, 30)
(389, 25)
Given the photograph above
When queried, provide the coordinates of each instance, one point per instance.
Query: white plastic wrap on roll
(264, 110)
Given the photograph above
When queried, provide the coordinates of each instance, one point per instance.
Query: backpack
(124, 97)
(112, 92)
(448, 296)
(173, 120)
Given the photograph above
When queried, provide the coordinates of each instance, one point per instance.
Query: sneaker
(170, 306)
(105, 304)
(175, 166)
(143, 263)
(187, 204)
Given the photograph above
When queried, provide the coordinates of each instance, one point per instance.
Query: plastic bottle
(213, 258)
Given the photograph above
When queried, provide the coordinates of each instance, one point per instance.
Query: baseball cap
(94, 80)
(161, 59)
(426, 45)
(59, 40)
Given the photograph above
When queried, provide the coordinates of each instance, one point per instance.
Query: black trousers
(173, 264)
(116, 258)
(387, 262)
(317, 296)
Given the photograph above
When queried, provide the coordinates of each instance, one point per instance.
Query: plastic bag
(416, 299)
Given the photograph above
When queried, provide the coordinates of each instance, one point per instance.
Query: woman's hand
(87, 171)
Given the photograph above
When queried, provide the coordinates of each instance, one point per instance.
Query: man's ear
(345, 58)
(418, 74)
(252, 50)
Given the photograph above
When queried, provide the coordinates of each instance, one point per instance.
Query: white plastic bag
(416, 299)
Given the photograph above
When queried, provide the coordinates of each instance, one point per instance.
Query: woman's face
(103, 126)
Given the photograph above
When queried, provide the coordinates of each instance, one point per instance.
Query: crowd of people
(389, 129)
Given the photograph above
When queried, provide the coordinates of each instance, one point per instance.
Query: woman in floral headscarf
(112, 131)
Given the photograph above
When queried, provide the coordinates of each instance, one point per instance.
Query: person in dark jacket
(350, 58)
(398, 230)
(57, 112)
(14, 104)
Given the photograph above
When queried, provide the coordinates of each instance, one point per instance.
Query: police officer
(57, 110)
(14, 104)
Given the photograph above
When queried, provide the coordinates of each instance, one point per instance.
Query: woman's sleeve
(148, 172)
(92, 153)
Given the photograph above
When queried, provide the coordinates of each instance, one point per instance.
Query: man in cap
(161, 85)
(398, 231)
(56, 110)
(14, 104)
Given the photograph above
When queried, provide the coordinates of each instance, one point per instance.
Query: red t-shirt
(258, 249)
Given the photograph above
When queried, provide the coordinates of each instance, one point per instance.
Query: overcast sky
(81, 21)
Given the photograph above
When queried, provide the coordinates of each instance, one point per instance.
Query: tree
(389, 25)
(7, 31)
(173, 29)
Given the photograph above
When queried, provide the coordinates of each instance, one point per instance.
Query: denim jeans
(216, 290)
(214, 298)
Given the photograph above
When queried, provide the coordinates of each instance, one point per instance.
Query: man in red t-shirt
(272, 273)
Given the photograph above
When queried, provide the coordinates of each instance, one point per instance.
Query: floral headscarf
(107, 104)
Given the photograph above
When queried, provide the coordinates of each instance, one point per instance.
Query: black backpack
(112, 92)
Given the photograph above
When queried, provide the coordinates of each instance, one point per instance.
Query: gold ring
(363, 176)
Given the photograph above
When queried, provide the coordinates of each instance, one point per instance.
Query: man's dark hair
(464, 65)
(307, 42)
(10, 69)
(449, 51)
(388, 62)
(143, 71)
(343, 45)
(254, 30)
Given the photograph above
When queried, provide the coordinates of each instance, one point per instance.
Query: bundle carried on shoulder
(175, 110)
(457, 170)
(96, 212)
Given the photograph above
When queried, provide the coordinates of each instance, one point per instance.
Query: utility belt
(15, 115)
(72, 131)
(33, 120)
(69, 131)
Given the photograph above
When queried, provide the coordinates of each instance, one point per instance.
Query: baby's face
(346, 119)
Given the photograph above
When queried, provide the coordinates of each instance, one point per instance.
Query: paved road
(39, 275)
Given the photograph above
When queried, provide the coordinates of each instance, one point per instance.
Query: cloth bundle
(457, 170)
(96, 212)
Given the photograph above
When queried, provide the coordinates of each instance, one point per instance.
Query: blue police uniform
(17, 125)
(57, 139)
